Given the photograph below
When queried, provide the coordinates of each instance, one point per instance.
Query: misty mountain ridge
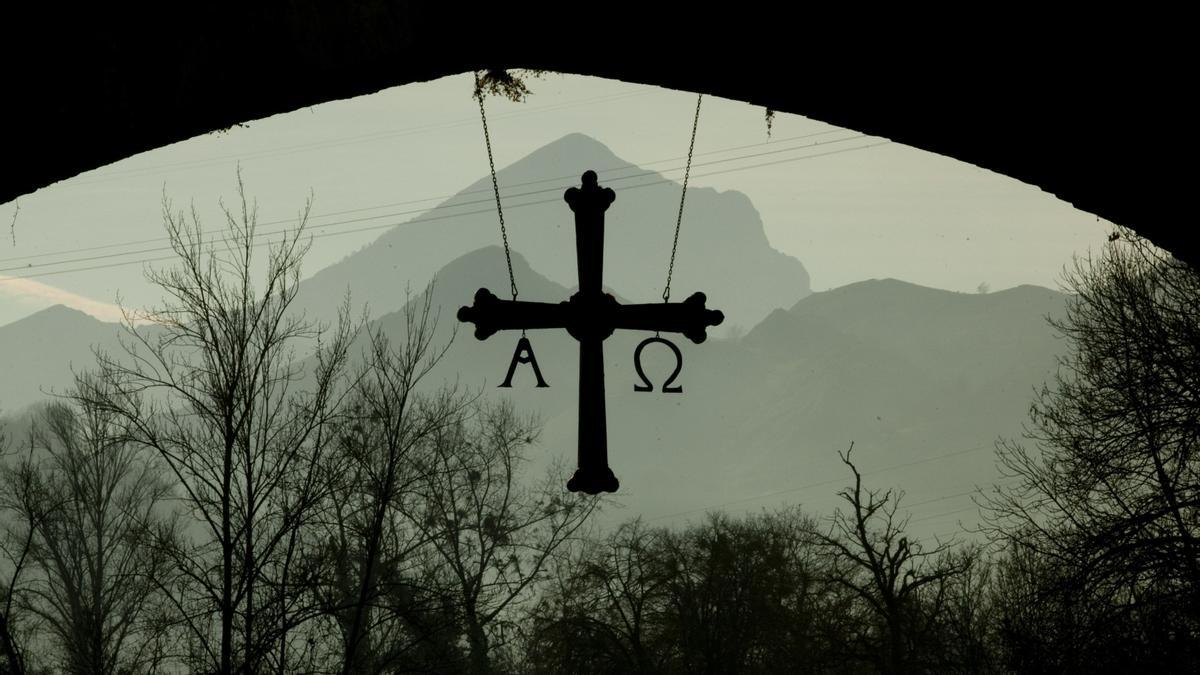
(40, 350)
(723, 248)
(904, 371)
(57, 315)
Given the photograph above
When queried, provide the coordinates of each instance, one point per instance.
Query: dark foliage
(208, 506)
(1100, 522)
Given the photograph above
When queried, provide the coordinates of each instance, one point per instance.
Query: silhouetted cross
(590, 316)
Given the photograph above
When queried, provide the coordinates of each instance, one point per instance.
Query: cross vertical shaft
(589, 202)
(593, 474)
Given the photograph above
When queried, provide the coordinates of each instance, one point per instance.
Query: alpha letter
(523, 354)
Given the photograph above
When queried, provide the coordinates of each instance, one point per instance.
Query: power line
(942, 498)
(465, 192)
(608, 170)
(417, 220)
(923, 518)
(113, 174)
(933, 516)
(411, 211)
(414, 220)
(810, 486)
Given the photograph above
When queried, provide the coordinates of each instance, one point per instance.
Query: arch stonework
(1077, 108)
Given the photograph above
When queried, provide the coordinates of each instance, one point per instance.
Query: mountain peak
(577, 142)
(726, 253)
(889, 290)
(486, 268)
(570, 156)
(43, 350)
(56, 309)
(56, 315)
(483, 263)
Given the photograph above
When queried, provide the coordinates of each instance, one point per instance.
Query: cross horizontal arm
(491, 314)
(690, 317)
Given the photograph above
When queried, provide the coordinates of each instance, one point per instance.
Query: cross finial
(589, 196)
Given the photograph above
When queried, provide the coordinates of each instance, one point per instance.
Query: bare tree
(493, 531)
(23, 501)
(100, 507)
(602, 608)
(870, 555)
(740, 594)
(727, 595)
(382, 449)
(1103, 495)
(215, 385)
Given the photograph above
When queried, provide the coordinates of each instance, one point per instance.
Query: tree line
(240, 490)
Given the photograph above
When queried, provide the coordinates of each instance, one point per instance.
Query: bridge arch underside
(1056, 106)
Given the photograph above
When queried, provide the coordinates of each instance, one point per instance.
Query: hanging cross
(589, 316)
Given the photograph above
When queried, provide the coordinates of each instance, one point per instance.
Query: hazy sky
(884, 210)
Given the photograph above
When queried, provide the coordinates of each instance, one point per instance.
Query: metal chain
(666, 296)
(512, 280)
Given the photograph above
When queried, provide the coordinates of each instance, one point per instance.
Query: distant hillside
(38, 352)
(902, 370)
(979, 341)
(911, 375)
(723, 249)
(905, 372)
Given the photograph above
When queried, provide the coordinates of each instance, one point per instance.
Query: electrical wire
(831, 481)
(412, 221)
(158, 240)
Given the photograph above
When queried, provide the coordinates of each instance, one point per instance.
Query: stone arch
(1067, 107)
